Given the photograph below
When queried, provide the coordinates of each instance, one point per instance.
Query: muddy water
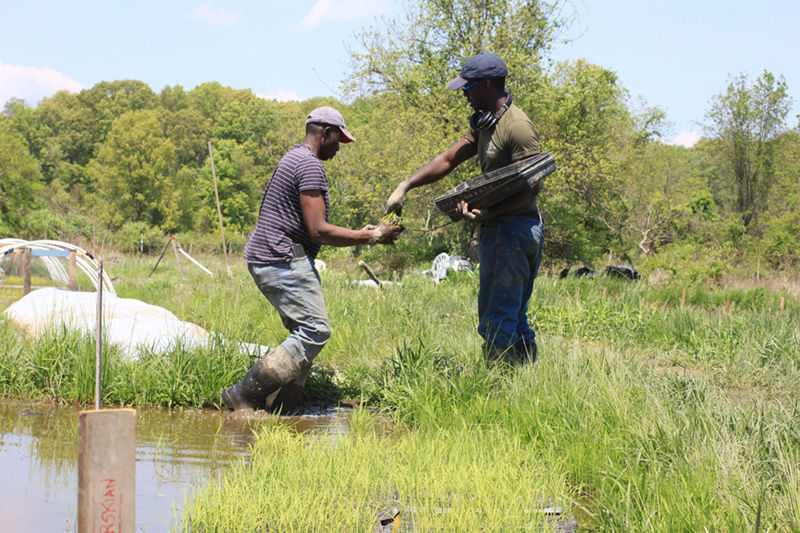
(175, 449)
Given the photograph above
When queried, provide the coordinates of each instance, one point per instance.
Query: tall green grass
(641, 415)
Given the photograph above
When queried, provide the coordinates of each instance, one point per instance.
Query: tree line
(124, 161)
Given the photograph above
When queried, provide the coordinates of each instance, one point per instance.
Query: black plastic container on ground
(623, 271)
(578, 273)
(495, 186)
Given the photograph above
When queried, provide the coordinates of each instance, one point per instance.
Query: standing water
(175, 450)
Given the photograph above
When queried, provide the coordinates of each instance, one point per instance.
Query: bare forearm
(332, 235)
(432, 171)
(441, 165)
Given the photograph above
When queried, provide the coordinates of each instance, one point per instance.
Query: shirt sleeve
(311, 176)
(471, 135)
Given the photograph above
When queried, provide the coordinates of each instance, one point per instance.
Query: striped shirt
(280, 220)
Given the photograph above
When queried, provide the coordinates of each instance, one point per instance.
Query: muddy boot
(264, 378)
(290, 394)
(527, 352)
(498, 356)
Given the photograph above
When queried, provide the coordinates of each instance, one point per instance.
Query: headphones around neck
(483, 120)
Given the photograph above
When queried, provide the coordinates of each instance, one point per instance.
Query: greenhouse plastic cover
(134, 326)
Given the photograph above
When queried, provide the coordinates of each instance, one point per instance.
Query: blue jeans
(294, 290)
(510, 252)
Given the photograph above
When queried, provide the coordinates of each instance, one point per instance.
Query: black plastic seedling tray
(488, 189)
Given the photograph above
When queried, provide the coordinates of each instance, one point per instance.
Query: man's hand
(473, 215)
(383, 233)
(395, 202)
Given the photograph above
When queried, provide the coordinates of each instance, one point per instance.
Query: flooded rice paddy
(175, 450)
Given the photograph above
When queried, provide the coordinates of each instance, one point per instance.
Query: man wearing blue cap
(292, 226)
(511, 233)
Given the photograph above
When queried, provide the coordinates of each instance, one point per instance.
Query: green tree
(71, 139)
(110, 100)
(19, 182)
(189, 132)
(585, 121)
(239, 195)
(134, 171)
(173, 98)
(210, 98)
(749, 120)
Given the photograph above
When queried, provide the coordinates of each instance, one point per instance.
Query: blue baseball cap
(480, 67)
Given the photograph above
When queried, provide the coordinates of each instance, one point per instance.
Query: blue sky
(675, 54)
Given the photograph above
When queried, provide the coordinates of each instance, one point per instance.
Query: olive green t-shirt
(512, 138)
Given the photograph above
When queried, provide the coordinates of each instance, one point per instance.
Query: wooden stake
(73, 271)
(107, 470)
(728, 304)
(683, 297)
(177, 257)
(219, 212)
(26, 271)
(160, 256)
(605, 293)
(98, 370)
(370, 273)
(782, 303)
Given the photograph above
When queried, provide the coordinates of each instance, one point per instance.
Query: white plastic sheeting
(132, 325)
(85, 262)
(443, 262)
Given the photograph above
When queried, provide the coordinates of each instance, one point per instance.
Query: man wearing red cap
(292, 225)
(511, 233)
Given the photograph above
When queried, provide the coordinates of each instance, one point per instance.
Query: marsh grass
(437, 476)
(641, 415)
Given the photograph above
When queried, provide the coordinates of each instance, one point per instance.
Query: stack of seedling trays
(488, 189)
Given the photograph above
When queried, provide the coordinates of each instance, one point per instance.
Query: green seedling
(391, 219)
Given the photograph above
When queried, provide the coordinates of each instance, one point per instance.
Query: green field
(642, 414)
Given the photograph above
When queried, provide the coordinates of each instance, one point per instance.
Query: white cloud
(217, 17)
(685, 138)
(326, 11)
(281, 95)
(33, 83)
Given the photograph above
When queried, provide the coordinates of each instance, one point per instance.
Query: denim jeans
(510, 252)
(294, 290)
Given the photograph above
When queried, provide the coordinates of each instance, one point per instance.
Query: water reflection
(174, 449)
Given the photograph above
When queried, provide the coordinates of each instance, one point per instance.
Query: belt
(534, 214)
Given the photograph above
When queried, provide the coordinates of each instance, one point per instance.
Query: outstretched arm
(432, 171)
(312, 204)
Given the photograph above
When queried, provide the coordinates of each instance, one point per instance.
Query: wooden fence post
(683, 297)
(73, 271)
(26, 271)
(107, 471)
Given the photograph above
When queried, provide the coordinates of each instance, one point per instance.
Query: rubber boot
(265, 377)
(290, 394)
(496, 356)
(527, 352)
